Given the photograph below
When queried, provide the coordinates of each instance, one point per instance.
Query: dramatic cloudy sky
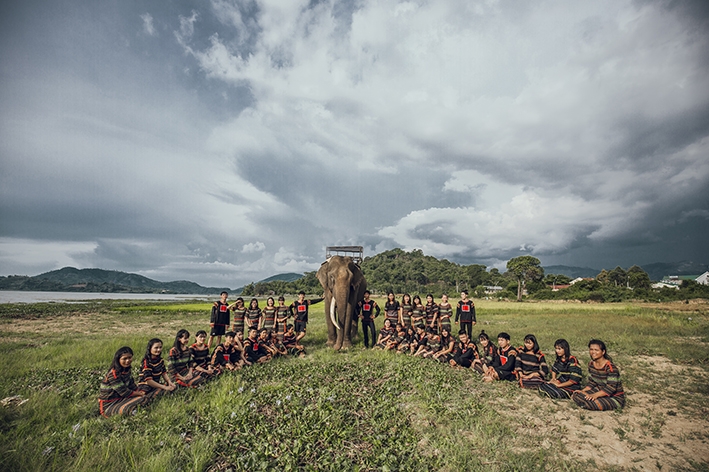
(224, 141)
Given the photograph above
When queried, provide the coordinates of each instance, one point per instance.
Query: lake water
(12, 296)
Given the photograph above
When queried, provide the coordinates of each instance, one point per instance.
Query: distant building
(664, 285)
(579, 279)
(493, 289)
(703, 279)
(677, 279)
(558, 287)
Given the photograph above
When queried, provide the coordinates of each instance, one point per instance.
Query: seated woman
(200, 355)
(503, 365)
(433, 346)
(565, 373)
(488, 352)
(604, 390)
(405, 343)
(152, 370)
(385, 334)
(119, 394)
(275, 346)
(179, 362)
(531, 367)
(290, 341)
(445, 353)
(396, 338)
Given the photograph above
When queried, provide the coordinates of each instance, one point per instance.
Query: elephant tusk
(333, 316)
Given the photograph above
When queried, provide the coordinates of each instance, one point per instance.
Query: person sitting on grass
(531, 367)
(119, 395)
(445, 353)
(565, 373)
(225, 356)
(503, 365)
(433, 345)
(465, 353)
(604, 390)
(396, 338)
(420, 340)
(200, 355)
(385, 334)
(274, 346)
(255, 347)
(488, 352)
(152, 370)
(290, 341)
(179, 362)
(405, 344)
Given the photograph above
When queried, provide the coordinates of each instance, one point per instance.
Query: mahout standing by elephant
(365, 308)
(300, 309)
(344, 286)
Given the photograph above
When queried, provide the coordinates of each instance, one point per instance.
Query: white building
(703, 279)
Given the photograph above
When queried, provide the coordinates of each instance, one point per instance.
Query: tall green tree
(638, 278)
(525, 268)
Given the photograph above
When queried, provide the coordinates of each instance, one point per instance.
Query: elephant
(344, 286)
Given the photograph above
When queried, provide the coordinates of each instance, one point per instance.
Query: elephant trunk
(333, 313)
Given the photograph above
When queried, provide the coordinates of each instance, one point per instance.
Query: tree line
(414, 272)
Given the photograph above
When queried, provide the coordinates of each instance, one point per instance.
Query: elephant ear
(322, 275)
(358, 282)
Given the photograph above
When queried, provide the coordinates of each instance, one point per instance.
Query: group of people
(425, 331)
(409, 328)
(190, 365)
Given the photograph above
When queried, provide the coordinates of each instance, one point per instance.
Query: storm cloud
(227, 141)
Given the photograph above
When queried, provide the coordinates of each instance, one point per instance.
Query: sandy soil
(651, 434)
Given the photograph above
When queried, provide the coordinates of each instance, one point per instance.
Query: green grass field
(356, 410)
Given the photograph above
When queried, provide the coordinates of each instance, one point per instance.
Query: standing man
(219, 319)
(365, 309)
(466, 314)
(299, 308)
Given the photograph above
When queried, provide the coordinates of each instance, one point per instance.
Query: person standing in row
(300, 310)
(268, 315)
(282, 314)
(445, 311)
(466, 314)
(391, 309)
(418, 312)
(219, 320)
(365, 308)
(239, 315)
(431, 313)
(405, 310)
(253, 314)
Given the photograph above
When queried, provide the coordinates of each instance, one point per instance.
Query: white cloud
(148, 26)
(258, 246)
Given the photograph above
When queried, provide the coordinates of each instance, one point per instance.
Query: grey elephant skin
(344, 286)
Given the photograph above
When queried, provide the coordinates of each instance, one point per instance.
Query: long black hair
(180, 334)
(116, 364)
(563, 344)
(148, 356)
(531, 337)
(602, 345)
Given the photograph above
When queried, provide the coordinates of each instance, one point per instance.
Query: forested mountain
(70, 279)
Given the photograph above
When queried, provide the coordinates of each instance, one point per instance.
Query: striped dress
(252, 316)
(179, 363)
(418, 313)
(115, 398)
(444, 313)
(151, 369)
(527, 363)
(391, 312)
(606, 379)
(269, 317)
(200, 358)
(431, 311)
(282, 313)
(239, 316)
(406, 311)
(567, 370)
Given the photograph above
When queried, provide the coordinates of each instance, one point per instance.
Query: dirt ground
(652, 433)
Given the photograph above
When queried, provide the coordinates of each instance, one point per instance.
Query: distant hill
(289, 277)
(571, 271)
(70, 279)
(658, 270)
